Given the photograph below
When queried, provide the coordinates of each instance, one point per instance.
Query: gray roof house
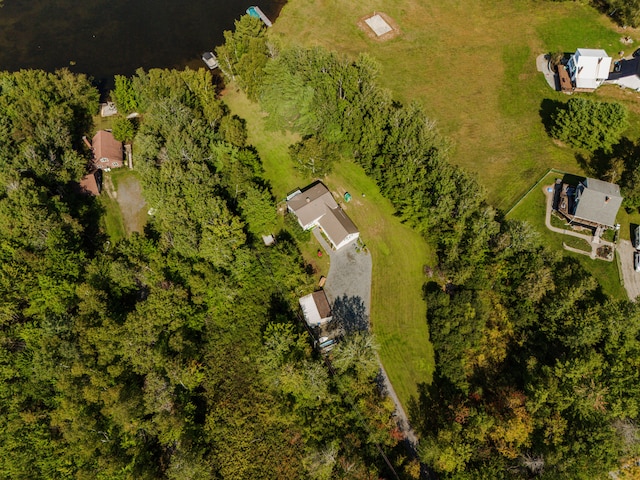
(315, 308)
(598, 202)
(316, 207)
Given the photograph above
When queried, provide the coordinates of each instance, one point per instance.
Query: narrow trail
(410, 437)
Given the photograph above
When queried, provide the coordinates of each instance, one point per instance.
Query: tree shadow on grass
(351, 314)
(611, 165)
(547, 110)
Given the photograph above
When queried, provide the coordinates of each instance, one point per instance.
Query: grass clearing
(578, 243)
(398, 312)
(102, 123)
(125, 208)
(112, 220)
(273, 146)
(472, 65)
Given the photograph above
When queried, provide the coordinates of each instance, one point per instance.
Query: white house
(589, 68)
(315, 308)
(316, 207)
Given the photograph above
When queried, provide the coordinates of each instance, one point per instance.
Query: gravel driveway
(348, 286)
(132, 204)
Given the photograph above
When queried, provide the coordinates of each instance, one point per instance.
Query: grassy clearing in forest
(398, 312)
(125, 208)
(472, 65)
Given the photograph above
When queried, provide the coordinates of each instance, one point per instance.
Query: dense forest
(177, 353)
(537, 369)
(173, 354)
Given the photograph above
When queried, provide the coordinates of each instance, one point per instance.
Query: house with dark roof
(316, 207)
(107, 151)
(597, 202)
(315, 308)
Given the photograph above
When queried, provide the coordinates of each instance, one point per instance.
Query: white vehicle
(210, 59)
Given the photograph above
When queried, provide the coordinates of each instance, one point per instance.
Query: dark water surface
(106, 37)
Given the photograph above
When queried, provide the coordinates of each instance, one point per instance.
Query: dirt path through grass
(132, 203)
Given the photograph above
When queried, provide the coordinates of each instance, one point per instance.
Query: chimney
(87, 142)
(308, 199)
(606, 199)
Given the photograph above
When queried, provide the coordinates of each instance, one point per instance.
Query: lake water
(106, 37)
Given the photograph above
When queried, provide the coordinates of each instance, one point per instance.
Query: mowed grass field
(398, 312)
(472, 65)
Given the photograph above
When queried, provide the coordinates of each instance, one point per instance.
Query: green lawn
(112, 220)
(272, 146)
(398, 312)
(472, 65)
(532, 209)
(102, 123)
(578, 243)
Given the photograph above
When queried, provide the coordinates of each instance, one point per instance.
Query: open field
(472, 65)
(532, 208)
(398, 312)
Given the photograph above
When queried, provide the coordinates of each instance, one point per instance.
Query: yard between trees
(398, 312)
(125, 208)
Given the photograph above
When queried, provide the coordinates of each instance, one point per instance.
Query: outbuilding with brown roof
(107, 151)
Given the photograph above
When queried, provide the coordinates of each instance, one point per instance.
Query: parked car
(636, 238)
(636, 261)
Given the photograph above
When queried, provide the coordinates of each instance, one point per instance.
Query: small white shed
(315, 308)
